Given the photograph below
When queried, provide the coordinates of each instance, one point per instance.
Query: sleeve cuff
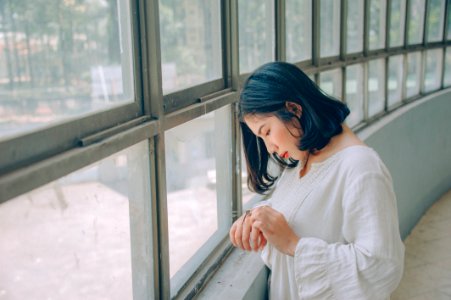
(310, 269)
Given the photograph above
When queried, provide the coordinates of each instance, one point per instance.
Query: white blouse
(344, 210)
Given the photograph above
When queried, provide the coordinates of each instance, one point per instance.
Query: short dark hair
(265, 92)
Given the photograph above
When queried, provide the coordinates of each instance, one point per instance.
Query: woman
(331, 229)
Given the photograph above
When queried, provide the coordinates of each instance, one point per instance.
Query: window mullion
(153, 97)
(280, 17)
(316, 6)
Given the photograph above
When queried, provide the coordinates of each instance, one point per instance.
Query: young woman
(331, 229)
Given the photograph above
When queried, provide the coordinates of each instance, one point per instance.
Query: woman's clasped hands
(260, 225)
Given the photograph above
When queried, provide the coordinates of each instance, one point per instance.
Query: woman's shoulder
(357, 160)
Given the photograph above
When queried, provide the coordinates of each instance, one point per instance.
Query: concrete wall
(415, 144)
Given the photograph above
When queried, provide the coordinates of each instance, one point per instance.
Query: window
(376, 87)
(448, 30)
(416, 22)
(190, 43)
(72, 238)
(299, 30)
(198, 190)
(447, 75)
(433, 69)
(397, 22)
(377, 24)
(256, 33)
(394, 84)
(61, 63)
(355, 94)
(413, 74)
(435, 21)
(330, 83)
(329, 28)
(354, 37)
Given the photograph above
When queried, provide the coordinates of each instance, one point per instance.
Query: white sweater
(344, 210)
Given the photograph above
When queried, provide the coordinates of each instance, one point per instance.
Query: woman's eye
(268, 132)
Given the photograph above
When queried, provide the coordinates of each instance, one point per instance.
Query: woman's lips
(285, 155)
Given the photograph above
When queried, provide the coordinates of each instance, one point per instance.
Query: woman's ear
(294, 108)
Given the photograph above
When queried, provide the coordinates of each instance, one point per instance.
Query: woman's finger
(232, 234)
(254, 239)
(246, 232)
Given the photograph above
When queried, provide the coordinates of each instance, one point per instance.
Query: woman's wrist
(292, 245)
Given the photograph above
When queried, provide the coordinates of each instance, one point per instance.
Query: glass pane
(395, 68)
(62, 61)
(329, 28)
(413, 74)
(246, 193)
(299, 30)
(435, 20)
(190, 43)
(70, 239)
(376, 87)
(447, 78)
(330, 83)
(256, 33)
(354, 38)
(196, 190)
(354, 94)
(448, 32)
(397, 22)
(377, 24)
(433, 70)
(416, 22)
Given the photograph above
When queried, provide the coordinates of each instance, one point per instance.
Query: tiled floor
(427, 271)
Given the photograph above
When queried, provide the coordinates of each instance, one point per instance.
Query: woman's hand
(275, 229)
(242, 234)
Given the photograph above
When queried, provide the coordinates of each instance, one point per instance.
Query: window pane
(198, 167)
(435, 20)
(330, 83)
(62, 61)
(376, 87)
(299, 30)
(447, 78)
(354, 39)
(433, 70)
(395, 68)
(397, 22)
(246, 193)
(416, 22)
(256, 33)
(330, 28)
(448, 33)
(354, 94)
(413, 74)
(190, 43)
(70, 239)
(377, 24)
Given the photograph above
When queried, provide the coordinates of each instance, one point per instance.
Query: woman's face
(279, 138)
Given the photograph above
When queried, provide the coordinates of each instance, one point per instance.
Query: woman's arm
(367, 266)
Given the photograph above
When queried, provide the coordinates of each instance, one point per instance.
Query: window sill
(242, 276)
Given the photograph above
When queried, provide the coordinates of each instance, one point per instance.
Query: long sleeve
(369, 264)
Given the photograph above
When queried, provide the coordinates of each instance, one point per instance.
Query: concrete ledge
(243, 276)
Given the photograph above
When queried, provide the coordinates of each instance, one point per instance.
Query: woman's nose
(270, 147)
